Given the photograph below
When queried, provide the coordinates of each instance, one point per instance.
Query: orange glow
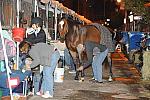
(126, 80)
(147, 4)
(118, 1)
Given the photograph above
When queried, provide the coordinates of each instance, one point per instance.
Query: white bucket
(59, 75)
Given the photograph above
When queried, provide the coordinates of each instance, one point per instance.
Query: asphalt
(126, 85)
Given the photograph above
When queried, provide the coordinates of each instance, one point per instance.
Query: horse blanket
(106, 37)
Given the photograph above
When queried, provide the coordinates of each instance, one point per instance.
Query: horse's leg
(110, 66)
(79, 70)
(75, 62)
(77, 75)
(80, 49)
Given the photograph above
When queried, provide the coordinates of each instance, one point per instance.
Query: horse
(75, 35)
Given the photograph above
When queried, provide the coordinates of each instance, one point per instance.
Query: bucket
(59, 75)
(18, 34)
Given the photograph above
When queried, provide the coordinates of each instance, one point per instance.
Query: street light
(118, 1)
(131, 17)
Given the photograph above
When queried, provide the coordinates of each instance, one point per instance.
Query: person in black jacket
(38, 34)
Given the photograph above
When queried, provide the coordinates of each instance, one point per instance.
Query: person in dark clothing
(38, 34)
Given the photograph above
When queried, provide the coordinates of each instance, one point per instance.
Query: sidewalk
(126, 85)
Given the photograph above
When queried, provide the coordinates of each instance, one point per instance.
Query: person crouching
(45, 55)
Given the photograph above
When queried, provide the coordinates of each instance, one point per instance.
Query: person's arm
(89, 51)
(89, 61)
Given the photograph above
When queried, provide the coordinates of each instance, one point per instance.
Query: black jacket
(33, 39)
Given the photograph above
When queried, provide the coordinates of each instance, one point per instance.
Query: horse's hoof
(82, 74)
(82, 79)
(77, 76)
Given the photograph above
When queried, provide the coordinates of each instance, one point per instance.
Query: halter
(63, 28)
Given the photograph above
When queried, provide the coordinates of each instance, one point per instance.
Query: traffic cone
(118, 48)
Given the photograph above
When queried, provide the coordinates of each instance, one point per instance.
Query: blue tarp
(15, 73)
(133, 39)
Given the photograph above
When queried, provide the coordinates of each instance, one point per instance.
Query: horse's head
(68, 30)
(63, 27)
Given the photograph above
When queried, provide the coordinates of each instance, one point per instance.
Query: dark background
(97, 10)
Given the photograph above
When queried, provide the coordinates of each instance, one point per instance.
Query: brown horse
(76, 34)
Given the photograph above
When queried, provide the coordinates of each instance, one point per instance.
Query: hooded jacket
(41, 53)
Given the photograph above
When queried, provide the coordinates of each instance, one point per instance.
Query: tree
(138, 8)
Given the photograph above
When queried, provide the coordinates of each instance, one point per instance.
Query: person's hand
(28, 61)
(80, 68)
(28, 67)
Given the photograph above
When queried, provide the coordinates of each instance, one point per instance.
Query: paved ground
(127, 85)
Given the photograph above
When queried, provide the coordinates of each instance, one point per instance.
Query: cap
(37, 20)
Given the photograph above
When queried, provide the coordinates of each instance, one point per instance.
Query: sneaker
(30, 93)
(110, 79)
(72, 72)
(93, 79)
(47, 95)
(38, 93)
(99, 81)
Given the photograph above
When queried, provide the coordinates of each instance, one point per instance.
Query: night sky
(92, 9)
(95, 10)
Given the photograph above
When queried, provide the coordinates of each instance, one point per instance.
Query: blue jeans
(69, 60)
(48, 76)
(97, 65)
(36, 81)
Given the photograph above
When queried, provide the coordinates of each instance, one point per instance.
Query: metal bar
(17, 63)
(6, 62)
(55, 27)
